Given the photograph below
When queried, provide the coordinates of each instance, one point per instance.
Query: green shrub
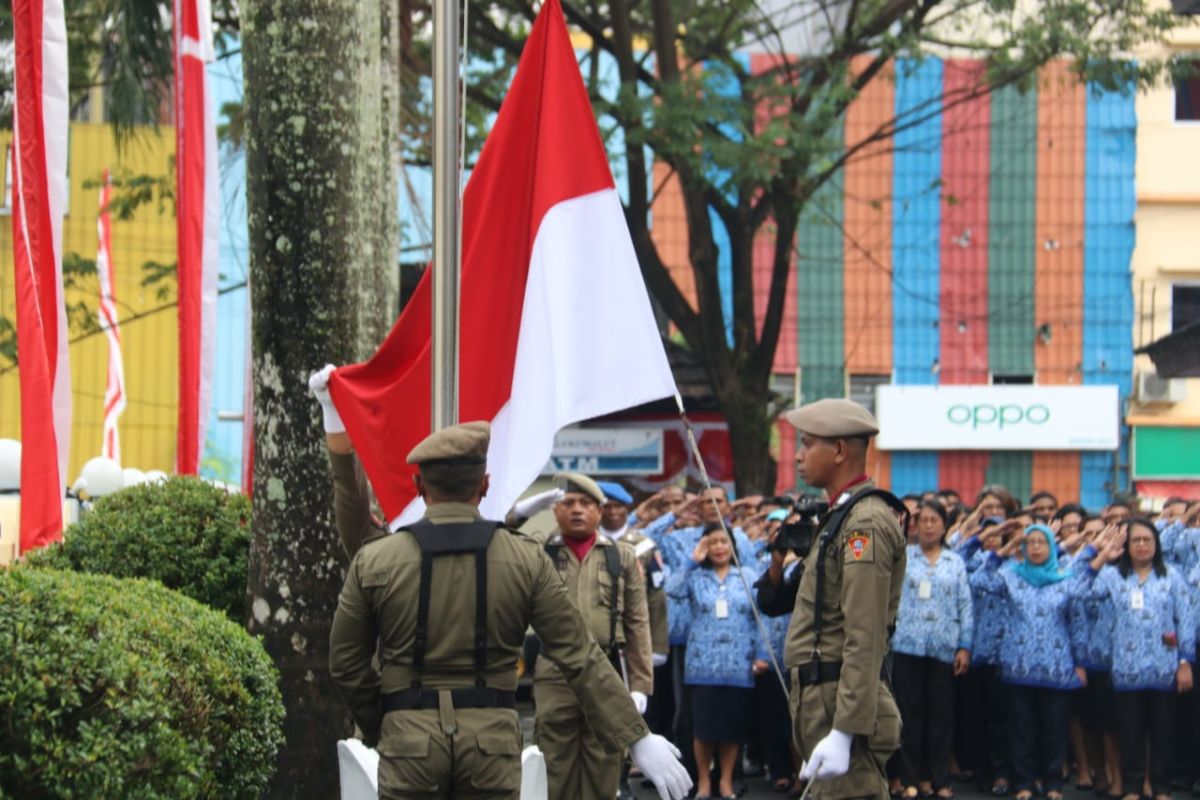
(113, 688)
(188, 534)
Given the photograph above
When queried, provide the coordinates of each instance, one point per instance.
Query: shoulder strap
(439, 540)
(612, 561)
(833, 525)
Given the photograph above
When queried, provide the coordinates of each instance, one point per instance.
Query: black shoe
(751, 768)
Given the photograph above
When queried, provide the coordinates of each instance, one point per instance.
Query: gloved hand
(830, 758)
(318, 384)
(658, 659)
(658, 760)
(639, 700)
(534, 503)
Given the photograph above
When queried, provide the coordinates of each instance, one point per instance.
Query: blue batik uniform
(1036, 647)
(941, 623)
(987, 609)
(1141, 658)
(720, 650)
(1180, 546)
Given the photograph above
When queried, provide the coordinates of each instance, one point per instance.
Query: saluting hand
(701, 551)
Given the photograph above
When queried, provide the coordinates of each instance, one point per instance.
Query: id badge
(722, 608)
(925, 590)
(1137, 600)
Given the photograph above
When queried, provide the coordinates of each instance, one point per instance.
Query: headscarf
(1045, 573)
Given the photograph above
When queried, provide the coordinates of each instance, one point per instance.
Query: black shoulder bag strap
(833, 524)
(612, 562)
(452, 538)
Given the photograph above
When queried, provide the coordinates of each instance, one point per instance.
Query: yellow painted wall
(149, 346)
(1168, 219)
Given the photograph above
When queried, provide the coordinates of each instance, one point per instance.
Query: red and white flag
(114, 387)
(555, 324)
(38, 204)
(198, 218)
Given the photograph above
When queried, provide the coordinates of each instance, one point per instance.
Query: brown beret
(575, 482)
(457, 444)
(832, 418)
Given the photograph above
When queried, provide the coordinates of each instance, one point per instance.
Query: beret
(615, 491)
(458, 444)
(778, 514)
(832, 417)
(575, 482)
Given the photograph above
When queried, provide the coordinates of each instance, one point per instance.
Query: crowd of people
(1036, 643)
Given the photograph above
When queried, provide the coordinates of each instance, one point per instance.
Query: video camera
(797, 535)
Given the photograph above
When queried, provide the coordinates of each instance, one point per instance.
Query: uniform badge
(858, 545)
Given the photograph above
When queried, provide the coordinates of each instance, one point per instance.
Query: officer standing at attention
(446, 602)
(605, 580)
(846, 722)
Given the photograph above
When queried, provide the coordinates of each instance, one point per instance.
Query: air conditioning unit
(1155, 391)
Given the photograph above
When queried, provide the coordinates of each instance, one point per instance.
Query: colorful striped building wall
(991, 241)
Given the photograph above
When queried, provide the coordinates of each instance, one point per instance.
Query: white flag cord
(762, 626)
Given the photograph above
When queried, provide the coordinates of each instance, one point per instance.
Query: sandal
(1024, 794)
(1001, 788)
(783, 784)
(1054, 795)
(945, 793)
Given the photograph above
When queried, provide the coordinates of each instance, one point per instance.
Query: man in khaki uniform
(577, 763)
(446, 602)
(845, 719)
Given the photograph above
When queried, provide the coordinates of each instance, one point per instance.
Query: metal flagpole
(444, 384)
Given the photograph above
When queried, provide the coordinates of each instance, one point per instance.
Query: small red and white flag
(114, 387)
(38, 204)
(555, 324)
(198, 219)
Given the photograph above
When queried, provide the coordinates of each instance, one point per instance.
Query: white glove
(534, 503)
(658, 659)
(830, 758)
(318, 384)
(639, 701)
(658, 760)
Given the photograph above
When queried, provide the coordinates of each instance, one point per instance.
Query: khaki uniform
(578, 765)
(446, 752)
(656, 596)
(864, 570)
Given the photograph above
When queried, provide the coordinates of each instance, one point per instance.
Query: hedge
(123, 688)
(188, 534)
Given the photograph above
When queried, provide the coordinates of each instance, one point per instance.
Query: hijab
(1045, 573)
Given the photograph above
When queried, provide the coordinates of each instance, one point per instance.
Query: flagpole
(444, 383)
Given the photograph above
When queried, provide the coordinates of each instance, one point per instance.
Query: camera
(797, 535)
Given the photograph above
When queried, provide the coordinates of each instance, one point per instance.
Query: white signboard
(998, 417)
(607, 451)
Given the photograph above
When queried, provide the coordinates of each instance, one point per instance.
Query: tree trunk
(746, 409)
(320, 265)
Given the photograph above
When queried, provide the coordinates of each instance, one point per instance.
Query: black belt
(815, 672)
(471, 697)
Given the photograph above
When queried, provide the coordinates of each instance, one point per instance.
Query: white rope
(762, 626)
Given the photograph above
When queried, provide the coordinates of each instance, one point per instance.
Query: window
(862, 389)
(1017, 380)
(1185, 304)
(1187, 96)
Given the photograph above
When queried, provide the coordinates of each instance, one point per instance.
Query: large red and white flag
(198, 218)
(555, 323)
(114, 387)
(38, 205)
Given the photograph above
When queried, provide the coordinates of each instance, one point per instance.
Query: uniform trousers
(925, 693)
(472, 753)
(983, 729)
(1037, 735)
(812, 709)
(774, 729)
(577, 765)
(681, 726)
(1145, 716)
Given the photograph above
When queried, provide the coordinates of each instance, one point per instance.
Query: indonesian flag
(198, 218)
(114, 387)
(555, 324)
(38, 204)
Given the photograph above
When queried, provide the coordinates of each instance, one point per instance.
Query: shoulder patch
(859, 548)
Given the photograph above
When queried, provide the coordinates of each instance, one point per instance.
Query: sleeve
(986, 578)
(679, 581)
(867, 568)
(567, 642)
(1185, 618)
(636, 620)
(967, 549)
(657, 528)
(966, 612)
(352, 642)
(351, 502)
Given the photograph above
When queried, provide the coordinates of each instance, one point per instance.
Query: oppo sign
(998, 417)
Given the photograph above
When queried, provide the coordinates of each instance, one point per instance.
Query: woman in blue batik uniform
(1153, 647)
(934, 630)
(1036, 660)
(724, 653)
